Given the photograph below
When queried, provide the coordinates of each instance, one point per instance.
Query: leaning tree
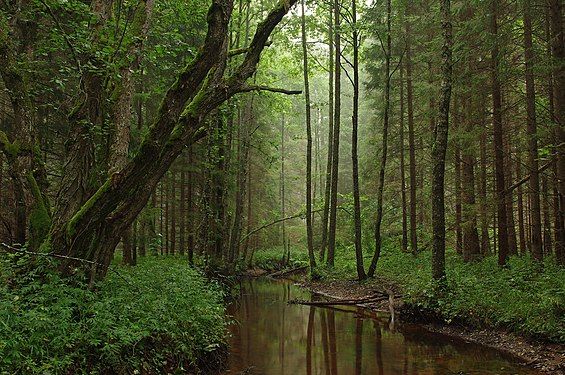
(88, 226)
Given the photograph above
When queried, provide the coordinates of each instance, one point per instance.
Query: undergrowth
(521, 298)
(160, 316)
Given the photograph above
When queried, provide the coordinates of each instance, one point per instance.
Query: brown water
(271, 337)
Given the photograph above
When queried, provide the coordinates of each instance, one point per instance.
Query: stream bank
(544, 356)
(269, 336)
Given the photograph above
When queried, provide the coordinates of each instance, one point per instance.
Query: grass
(521, 298)
(160, 316)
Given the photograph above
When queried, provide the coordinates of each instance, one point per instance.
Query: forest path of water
(271, 337)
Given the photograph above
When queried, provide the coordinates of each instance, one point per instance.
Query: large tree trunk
(439, 148)
(19, 143)
(94, 230)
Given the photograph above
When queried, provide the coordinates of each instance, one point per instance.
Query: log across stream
(271, 337)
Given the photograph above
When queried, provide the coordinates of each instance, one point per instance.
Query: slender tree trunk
(439, 148)
(190, 210)
(521, 220)
(402, 166)
(471, 245)
(309, 229)
(282, 190)
(458, 232)
(536, 240)
(411, 143)
(172, 211)
(558, 52)
(327, 194)
(335, 152)
(182, 211)
(485, 240)
(498, 142)
(354, 156)
(547, 246)
(384, 148)
(509, 195)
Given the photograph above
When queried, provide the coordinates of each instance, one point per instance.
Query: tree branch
(249, 88)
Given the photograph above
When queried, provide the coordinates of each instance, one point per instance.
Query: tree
(335, 142)
(501, 218)
(535, 209)
(384, 149)
(354, 153)
(439, 148)
(309, 230)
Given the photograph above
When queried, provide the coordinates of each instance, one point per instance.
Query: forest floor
(544, 356)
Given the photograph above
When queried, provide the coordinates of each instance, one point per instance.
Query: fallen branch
(525, 179)
(343, 302)
(295, 216)
(249, 88)
(348, 302)
(287, 272)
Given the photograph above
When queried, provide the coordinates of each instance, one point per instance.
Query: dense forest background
(421, 142)
(82, 85)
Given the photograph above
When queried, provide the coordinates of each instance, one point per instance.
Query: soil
(543, 356)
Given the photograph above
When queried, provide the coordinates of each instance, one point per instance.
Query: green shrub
(158, 315)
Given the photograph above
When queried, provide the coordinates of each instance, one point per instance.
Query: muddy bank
(546, 357)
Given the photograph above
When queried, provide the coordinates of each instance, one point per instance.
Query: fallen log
(343, 302)
(287, 272)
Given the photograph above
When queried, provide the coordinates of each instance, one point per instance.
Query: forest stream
(271, 337)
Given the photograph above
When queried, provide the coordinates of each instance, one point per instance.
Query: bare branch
(249, 88)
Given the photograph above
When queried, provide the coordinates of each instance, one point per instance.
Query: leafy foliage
(159, 315)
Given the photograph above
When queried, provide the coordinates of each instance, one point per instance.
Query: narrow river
(271, 337)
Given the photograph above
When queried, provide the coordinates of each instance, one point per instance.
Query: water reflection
(274, 338)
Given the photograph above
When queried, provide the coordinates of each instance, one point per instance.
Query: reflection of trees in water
(358, 345)
(275, 338)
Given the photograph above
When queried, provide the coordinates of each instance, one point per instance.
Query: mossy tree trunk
(94, 229)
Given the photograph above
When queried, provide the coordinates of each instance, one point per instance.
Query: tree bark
(402, 164)
(335, 143)
(411, 143)
(439, 148)
(558, 52)
(534, 194)
(502, 231)
(471, 246)
(309, 229)
(327, 193)
(384, 147)
(93, 231)
(354, 153)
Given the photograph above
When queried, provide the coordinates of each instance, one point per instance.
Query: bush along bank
(160, 316)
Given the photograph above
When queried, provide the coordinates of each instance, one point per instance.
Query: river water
(271, 337)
